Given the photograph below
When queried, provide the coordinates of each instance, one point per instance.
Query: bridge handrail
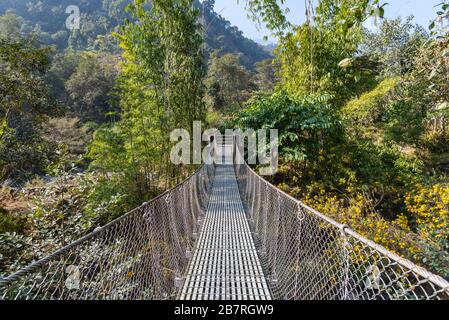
(37, 264)
(349, 265)
(437, 280)
(199, 183)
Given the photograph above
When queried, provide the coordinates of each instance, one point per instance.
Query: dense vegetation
(47, 20)
(86, 116)
(363, 124)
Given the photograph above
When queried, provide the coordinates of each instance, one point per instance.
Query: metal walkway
(225, 265)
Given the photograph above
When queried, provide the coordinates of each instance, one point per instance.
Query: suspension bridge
(224, 234)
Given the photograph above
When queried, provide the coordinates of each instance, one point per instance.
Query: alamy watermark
(227, 148)
(73, 20)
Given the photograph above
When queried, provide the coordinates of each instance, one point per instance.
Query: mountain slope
(100, 17)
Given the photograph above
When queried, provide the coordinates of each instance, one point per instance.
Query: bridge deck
(225, 265)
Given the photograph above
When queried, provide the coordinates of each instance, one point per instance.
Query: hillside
(221, 35)
(100, 17)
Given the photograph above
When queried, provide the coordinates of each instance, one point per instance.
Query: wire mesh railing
(142, 255)
(145, 253)
(308, 256)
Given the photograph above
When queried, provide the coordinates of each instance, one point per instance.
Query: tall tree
(161, 89)
(395, 45)
(266, 76)
(90, 88)
(229, 83)
(321, 55)
(25, 103)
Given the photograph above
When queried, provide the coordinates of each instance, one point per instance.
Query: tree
(10, 25)
(395, 46)
(346, 14)
(408, 56)
(160, 88)
(90, 88)
(266, 76)
(229, 83)
(305, 124)
(322, 54)
(100, 18)
(220, 35)
(25, 103)
(270, 13)
(63, 66)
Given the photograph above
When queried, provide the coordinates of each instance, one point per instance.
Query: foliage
(47, 19)
(439, 27)
(395, 45)
(90, 88)
(85, 82)
(9, 221)
(416, 63)
(108, 152)
(220, 35)
(304, 124)
(397, 235)
(266, 76)
(368, 109)
(73, 134)
(160, 89)
(430, 207)
(63, 66)
(427, 85)
(54, 215)
(330, 42)
(384, 114)
(99, 18)
(25, 104)
(10, 26)
(229, 83)
(269, 12)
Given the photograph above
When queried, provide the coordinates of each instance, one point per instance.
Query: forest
(86, 115)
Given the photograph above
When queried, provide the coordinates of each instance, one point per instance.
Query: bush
(368, 108)
(397, 235)
(436, 142)
(430, 208)
(9, 222)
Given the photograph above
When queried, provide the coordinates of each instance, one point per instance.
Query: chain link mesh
(141, 255)
(308, 256)
(145, 254)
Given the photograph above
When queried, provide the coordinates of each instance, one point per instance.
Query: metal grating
(225, 265)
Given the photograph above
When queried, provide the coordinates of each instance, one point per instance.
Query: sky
(234, 10)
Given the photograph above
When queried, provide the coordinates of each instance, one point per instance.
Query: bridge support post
(346, 249)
